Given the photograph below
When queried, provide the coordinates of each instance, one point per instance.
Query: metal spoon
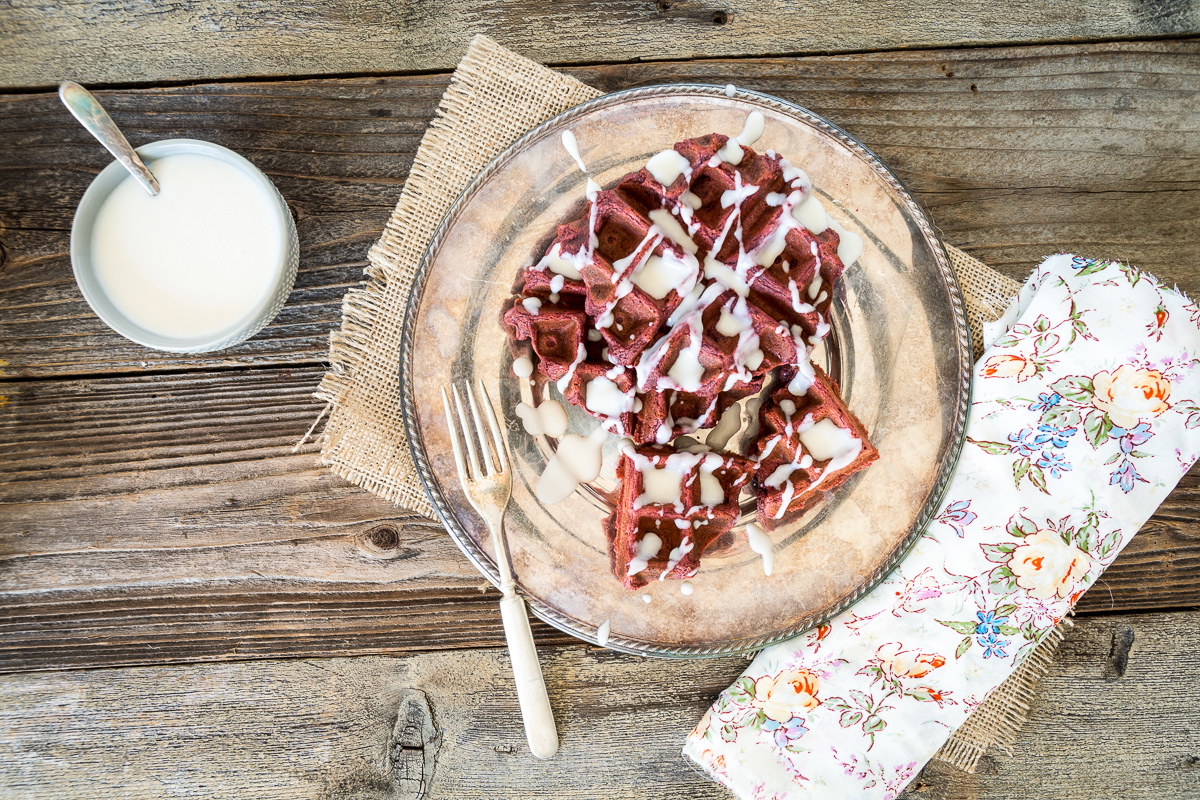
(86, 108)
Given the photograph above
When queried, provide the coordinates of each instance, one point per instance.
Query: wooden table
(191, 607)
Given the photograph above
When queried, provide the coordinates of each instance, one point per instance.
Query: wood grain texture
(164, 518)
(146, 516)
(328, 729)
(126, 42)
(1016, 152)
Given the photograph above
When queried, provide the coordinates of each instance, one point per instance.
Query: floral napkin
(1085, 414)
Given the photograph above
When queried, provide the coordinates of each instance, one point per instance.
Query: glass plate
(899, 349)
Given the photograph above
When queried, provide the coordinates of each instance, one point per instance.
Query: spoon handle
(87, 109)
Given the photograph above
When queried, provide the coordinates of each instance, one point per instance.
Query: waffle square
(671, 507)
(808, 445)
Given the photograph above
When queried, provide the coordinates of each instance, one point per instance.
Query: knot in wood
(384, 537)
(1118, 656)
(414, 746)
(383, 541)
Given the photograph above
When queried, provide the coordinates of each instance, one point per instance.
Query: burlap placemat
(494, 97)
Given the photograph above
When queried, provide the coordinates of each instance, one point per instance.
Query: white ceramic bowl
(93, 291)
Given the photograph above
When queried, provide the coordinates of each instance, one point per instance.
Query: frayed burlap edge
(494, 97)
(986, 293)
(1001, 716)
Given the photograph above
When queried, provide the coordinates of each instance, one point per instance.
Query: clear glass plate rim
(416, 443)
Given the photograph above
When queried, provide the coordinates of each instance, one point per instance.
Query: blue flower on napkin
(1059, 437)
(1024, 443)
(1126, 476)
(957, 515)
(1053, 463)
(1046, 401)
(785, 732)
(989, 622)
(993, 647)
(1139, 434)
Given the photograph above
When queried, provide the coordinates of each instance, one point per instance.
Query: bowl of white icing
(203, 265)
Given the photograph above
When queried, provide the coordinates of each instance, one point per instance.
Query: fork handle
(527, 672)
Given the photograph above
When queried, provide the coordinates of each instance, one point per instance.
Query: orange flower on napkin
(1129, 395)
(1009, 365)
(1044, 565)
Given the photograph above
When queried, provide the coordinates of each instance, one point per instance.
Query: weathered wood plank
(140, 517)
(127, 42)
(164, 518)
(330, 728)
(1017, 153)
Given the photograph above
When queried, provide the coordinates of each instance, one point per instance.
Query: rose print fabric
(1085, 414)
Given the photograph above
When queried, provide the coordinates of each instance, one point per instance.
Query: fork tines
(467, 430)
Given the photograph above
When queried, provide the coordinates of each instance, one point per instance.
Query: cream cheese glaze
(702, 265)
(677, 269)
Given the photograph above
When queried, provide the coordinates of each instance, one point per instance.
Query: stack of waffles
(695, 282)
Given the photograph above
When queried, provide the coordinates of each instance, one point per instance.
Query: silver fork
(489, 488)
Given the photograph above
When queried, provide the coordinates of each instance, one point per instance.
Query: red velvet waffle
(673, 295)
(684, 499)
(702, 287)
(807, 445)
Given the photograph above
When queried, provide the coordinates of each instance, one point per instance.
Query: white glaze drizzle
(781, 476)
(667, 166)
(547, 419)
(565, 380)
(732, 152)
(850, 245)
(824, 449)
(761, 544)
(711, 491)
(660, 486)
(576, 461)
(647, 548)
(556, 262)
(602, 632)
(522, 367)
(812, 215)
(572, 147)
(658, 276)
(752, 130)
(604, 397)
(663, 485)
(726, 428)
(815, 286)
(669, 226)
(677, 553)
